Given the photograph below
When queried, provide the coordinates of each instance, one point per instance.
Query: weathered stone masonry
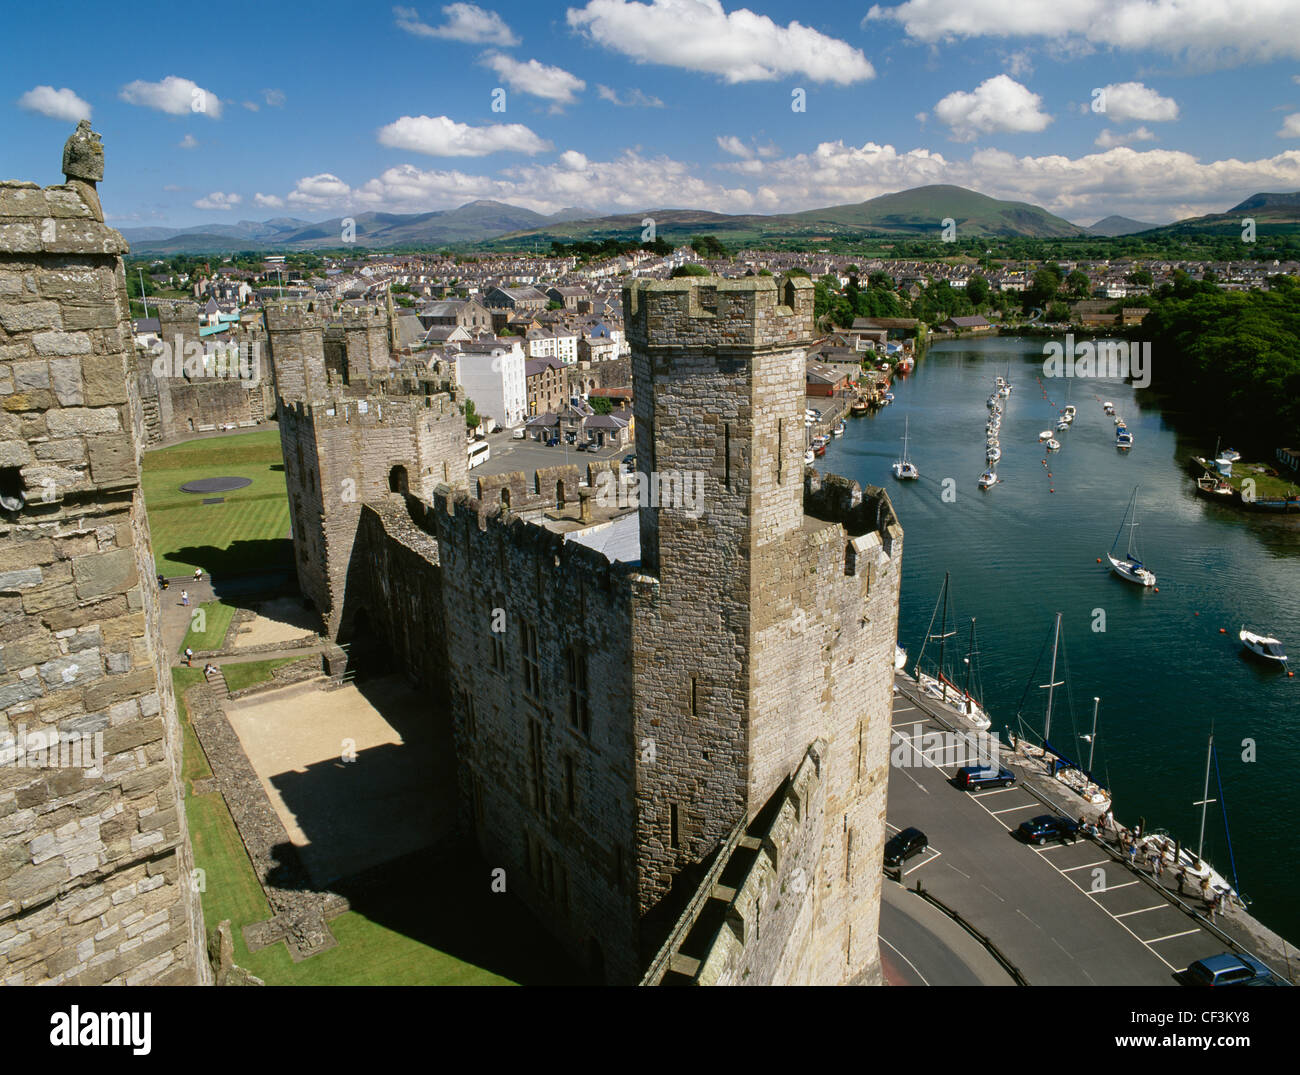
(95, 870)
(624, 719)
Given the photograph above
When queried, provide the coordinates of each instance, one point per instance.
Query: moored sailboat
(1130, 567)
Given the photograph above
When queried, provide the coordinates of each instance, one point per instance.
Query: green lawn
(194, 764)
(250, 530)
(368, 952)
(216, 622)
(247, 673)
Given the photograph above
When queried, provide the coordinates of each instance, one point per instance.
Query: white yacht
(1130, 567)
(988, 479)
(904, 469)
(1264, 646)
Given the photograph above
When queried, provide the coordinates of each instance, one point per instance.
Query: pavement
(528, 455)
(1063, 914)
(920, 945)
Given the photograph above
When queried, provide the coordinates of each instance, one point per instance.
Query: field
(249, 531)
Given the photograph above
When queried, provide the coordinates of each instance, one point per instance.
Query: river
(1020, 552)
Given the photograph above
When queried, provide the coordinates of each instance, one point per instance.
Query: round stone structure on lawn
(215, 485)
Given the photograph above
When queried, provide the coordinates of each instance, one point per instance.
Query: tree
(1140, 278)
(1078, 284)
(471, 415)
(691, 268)
(601, 404)
(708, 246)
(977, 290)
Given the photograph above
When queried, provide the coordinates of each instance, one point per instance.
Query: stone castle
(96, 872)
(671, 720)
(678, 754)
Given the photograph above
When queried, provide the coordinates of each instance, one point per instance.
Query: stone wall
(95, 864)
(546, 761)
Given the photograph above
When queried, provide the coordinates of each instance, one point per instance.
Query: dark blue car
(1230, 969)
(1046, 827)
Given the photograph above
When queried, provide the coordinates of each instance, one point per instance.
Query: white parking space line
(1144, 910)
(1013, 809)
(1086, 865)
(1170, 937)
(986, 794)
(937, 854)
(1116, 888)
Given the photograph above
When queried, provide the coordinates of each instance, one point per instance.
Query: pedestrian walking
(189, 656)
(1110, 818)
(1133, 852)
(198, 574)
(1182, 876)
(1212, 904)
(1159, 865)
(185, 597)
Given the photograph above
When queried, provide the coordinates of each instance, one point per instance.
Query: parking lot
(1064, 913)
(528, 455)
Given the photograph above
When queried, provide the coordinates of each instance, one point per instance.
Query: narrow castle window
(694, 698)
(532, 672)
(535, 766)
(850, 559)
(726, 455)
(579, 709)
(780, 447)
(673, 840)
(570, 786)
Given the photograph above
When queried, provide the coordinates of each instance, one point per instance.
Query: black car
(978, 777)
(1046, 827)
(629, 463)
(900, 848)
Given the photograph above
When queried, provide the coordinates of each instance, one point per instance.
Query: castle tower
(296, 331)
(751, 612)
(178, 327)
(95, 861)
(366, 337)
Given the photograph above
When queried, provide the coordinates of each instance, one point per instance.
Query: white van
(479, 453)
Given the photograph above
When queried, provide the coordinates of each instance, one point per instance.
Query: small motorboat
(840, 429)
(988, 479)
(1118, 420)
(993, 401)
(809, 457)
(900, 658)
(889, 397)
(1214, 488)
(1053, 445)
(860, 407)
(1265, 647)
(1123, 439)
(1004, 391)
(1046, 434)
(819, 448)
(1062, 426)
(994, 453)
(1231, 455)
(1108, 407)
(1069, 412)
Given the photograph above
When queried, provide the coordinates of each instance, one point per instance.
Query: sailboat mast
(1205, 800)
(1092, 739)
(943, 636)
(970, 656)
(1051, 682)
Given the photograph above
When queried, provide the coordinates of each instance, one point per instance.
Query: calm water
(1019, 553)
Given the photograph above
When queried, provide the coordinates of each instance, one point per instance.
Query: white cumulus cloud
(188, 142)
(57, 104)
(996, 104)
(1133, 101)
(465, 22)
(699, 35)
(173, 95)
(440, 136)
(1290, 126)
(729, 143)
(537, 79)
(217, 200)
(268, 201)
(1222, 32)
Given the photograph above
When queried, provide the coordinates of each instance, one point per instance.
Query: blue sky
(339, 108)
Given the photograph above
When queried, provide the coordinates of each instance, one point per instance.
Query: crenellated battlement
(296, 315)
(363, 317)
(698, 312)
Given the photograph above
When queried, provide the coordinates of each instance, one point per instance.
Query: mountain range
(916, 213)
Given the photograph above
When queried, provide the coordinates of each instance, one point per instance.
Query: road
(1064, 914)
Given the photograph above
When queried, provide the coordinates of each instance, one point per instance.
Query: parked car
(1229, 968)
(629, 463)
(978, 777)
(902, 846)
(553, 442)
(1046, 827)
(587, 446)
(518, 434)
